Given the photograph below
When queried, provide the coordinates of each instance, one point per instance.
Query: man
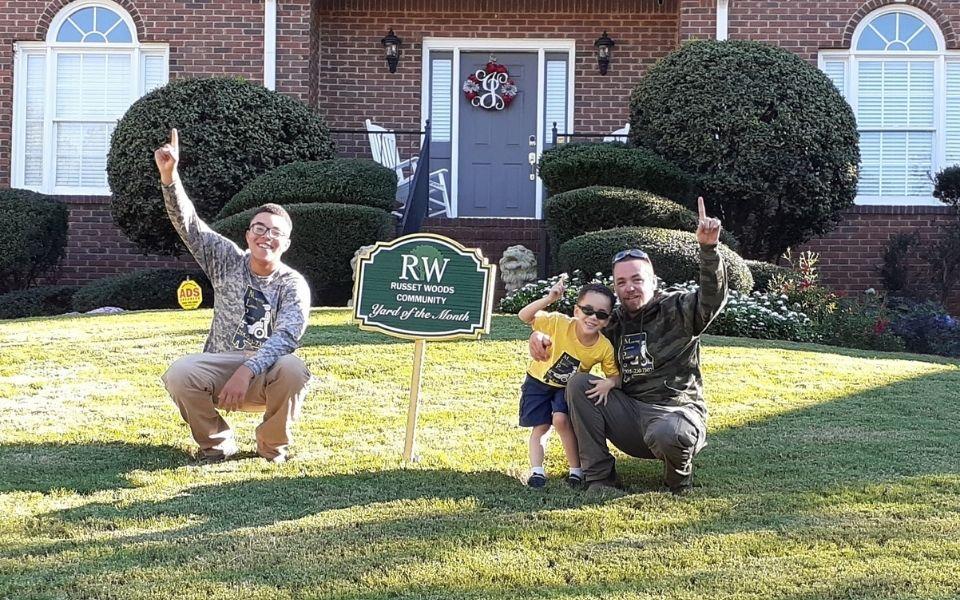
(261, 307)
(659, 410)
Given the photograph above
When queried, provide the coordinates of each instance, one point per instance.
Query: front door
(494, 171)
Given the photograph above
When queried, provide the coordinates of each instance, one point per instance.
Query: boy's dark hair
(275, 209)
(598, 288)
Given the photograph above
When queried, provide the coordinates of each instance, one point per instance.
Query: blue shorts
(538, 402)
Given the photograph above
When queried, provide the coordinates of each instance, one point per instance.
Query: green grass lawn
(830, 474)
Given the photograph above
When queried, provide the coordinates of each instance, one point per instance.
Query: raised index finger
(174, 138)
(703, 211)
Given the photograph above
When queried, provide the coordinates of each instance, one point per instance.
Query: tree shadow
(82, 468)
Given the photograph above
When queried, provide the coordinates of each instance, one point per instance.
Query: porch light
(604, 45)
(391, 48)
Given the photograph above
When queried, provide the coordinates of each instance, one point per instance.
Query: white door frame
(457, 45)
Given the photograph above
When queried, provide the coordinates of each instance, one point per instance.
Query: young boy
(578, 345)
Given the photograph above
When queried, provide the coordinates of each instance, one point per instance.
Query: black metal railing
(558, 137)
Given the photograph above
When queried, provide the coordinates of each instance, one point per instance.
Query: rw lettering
(421, 268)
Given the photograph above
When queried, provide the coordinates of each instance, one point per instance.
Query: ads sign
(424, 286)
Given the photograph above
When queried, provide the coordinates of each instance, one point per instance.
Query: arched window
(904, 88)
(71, 89)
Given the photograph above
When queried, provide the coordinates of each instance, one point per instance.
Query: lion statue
(517, 267)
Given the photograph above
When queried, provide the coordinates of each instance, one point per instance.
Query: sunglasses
(592, 312)
(631, 253)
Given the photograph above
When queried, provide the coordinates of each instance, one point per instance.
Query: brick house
(69, 69)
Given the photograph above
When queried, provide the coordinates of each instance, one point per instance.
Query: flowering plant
(517, 299)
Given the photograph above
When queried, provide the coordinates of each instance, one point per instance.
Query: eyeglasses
(271, 232)
(591, 311)
(631, 253)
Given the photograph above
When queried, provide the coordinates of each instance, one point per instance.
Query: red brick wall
(354, 82)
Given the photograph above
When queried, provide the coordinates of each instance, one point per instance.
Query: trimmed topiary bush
(341, 180)
(231, 131)
(576, 212)
(33, 237)
(763, 272)
(140, 290)
(41, 301)
(675, 254)
(573, 166)
(323, 241)
(768, 138)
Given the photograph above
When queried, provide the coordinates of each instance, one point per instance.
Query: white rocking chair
(618, 135)
(383, 146)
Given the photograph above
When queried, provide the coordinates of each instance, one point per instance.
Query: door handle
(532, 159)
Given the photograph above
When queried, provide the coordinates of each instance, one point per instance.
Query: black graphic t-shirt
(258, 321)
(633, 356)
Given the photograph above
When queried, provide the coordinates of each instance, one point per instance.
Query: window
(69, 92)
(904, 88)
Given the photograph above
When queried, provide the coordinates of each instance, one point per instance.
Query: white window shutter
(33, 120)
(441, 99)
(952, 106)
(837, 72)
(555, 98)
(154, 70)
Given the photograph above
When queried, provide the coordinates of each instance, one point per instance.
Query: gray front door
(494, 171)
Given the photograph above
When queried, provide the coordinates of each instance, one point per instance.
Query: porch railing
(560, 137)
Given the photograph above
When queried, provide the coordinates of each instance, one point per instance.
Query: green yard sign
(423, 287)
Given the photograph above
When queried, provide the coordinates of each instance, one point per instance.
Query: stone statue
(517, 267)
(353, 265)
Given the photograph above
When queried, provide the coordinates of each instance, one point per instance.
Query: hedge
(140, 290)
(767, 137)
(33, 237)
(231, 131)
(576, 212)
(675, 254)
(341, 180)
(763, 272)
(324, 239)
(39, 301)
(574, 166)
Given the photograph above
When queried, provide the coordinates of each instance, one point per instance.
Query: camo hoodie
(265, 316)
(658, 349)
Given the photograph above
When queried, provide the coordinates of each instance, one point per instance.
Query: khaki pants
(673, 434)
(194, 382)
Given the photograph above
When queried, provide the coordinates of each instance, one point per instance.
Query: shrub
(231, 131)
(762, 316)
(576, 212)
(33, 237)
(800, 284)
(140, 290)
(340, 180)
(40, 301)
(896, 269)
(766, 135)
(859, 324)
(763, 272)
(517, 299)
(324, 239)
(946, 186)
(926, 328)
(675, 254)
(573, 166)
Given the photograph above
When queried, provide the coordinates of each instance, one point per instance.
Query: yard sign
(423, 287)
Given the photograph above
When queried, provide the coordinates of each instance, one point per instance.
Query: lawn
(830, 474)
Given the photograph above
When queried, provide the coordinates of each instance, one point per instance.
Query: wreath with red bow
(490, 88)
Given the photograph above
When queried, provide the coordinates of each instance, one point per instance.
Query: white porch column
(722, 18)
(270, 44)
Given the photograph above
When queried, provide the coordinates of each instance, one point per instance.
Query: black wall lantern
(604, 46)
(391, 47)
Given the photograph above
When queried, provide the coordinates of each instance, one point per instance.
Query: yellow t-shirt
(567, 354)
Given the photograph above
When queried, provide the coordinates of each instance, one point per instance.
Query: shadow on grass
(82, 468)
(876, 470)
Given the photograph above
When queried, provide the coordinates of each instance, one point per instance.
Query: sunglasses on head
(631, 253)
(591, 311)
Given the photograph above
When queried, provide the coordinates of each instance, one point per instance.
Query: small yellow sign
(189, 295)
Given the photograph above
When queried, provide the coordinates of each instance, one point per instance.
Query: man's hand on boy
(539, 346)
(598, 393)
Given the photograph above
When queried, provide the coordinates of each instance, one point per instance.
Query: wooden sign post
(423, 287)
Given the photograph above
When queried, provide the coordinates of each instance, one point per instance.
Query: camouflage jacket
(658, 349)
